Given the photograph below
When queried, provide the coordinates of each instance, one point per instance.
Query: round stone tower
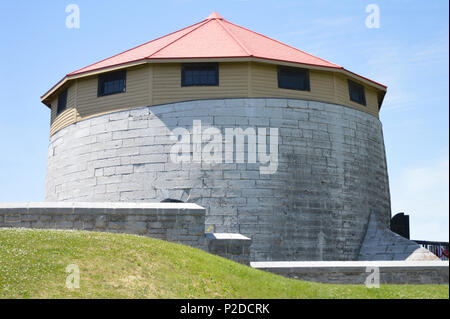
(276, 144)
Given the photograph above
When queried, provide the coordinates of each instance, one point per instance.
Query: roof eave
(72, 76)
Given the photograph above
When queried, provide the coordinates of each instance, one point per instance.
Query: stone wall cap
(345, 264)
(100, 205)
(226, 236)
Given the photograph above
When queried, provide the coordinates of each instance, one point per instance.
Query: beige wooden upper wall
(325, 87)
(68, 116)
(136, 94)
(154, 84)
(233, 83)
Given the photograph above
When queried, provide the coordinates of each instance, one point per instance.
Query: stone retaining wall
(380, 243)
(231, 246)
(357, 272)
(179, 223)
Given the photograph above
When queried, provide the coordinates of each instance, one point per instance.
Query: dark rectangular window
(200, 74)
(356, 92)
(111, 83)
(62, 102)
(293, 78)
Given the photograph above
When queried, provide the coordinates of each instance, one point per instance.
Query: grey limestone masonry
(231, 246)
(380, 243)
(331, 172)
(179, 223)
(357, 272)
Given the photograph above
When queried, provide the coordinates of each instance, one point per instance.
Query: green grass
(33, 263)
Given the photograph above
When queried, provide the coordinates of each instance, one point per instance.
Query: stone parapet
(357, 272)
(231, 246)
(174, 222)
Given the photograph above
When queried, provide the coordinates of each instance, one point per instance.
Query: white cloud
(401, 64)
(423, 193)
(321, 36)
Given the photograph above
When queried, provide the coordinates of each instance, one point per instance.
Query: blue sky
(409, 53)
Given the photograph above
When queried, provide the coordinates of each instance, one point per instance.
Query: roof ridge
(201, 25)
(190, 26)
(287, 45)
(234, 37)
(215, 15)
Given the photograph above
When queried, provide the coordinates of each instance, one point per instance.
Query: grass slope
(33, 263)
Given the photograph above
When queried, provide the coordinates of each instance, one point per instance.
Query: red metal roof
(214, 37)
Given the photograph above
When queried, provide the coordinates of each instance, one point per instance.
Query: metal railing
(439, 248)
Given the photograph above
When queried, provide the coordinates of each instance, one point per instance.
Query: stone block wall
(178, 223)
(331, 172)
(380, 243)
(357, 272)
(231, 246)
